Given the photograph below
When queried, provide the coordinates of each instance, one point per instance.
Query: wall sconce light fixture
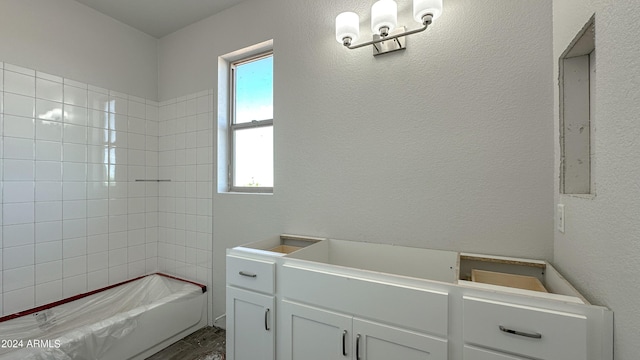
(387, 37)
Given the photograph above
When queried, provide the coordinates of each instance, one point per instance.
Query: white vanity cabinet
(347, 300)
(250, 308)
(318, 334)
(251, 301)
(333, 311)
(502, 322)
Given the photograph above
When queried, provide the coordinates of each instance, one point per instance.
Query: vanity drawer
(474, 353)
(529, 331)
(252, 274)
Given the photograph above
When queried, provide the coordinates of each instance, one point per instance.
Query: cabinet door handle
(358, 347)
(248, 274)
(266, 319)
(520, 333)
(344, 343)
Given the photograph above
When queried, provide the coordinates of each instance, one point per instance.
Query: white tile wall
(73, 217)
(185, 219)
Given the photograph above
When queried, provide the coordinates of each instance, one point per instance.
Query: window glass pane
(254, 90)
(254, 157)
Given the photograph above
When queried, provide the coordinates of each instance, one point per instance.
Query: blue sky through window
(254, 101)
(254, 90)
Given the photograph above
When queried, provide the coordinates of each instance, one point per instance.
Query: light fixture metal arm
(426, 21)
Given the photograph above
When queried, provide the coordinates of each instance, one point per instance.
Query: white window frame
(233, 127)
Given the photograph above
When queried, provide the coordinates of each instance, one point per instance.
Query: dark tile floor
(205, 344)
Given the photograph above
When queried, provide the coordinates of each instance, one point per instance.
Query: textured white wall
(69, 39)
(447, 145)
(599, 250)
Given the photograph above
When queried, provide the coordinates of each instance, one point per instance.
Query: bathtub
(130, 320)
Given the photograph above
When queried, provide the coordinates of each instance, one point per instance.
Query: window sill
(245, 192)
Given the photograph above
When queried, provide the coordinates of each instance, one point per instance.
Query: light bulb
(384, 14)
(347, 25)
(423, 7)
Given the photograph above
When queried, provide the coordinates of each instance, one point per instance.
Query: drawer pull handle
(248, 274)
(358, 347)
(344, 343)
(520, 333)
(266, 319)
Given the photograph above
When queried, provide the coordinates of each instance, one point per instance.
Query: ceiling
(159, 17)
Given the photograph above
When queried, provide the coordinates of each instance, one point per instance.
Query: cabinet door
(250, 325)
(375, 341)
(314, 334)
